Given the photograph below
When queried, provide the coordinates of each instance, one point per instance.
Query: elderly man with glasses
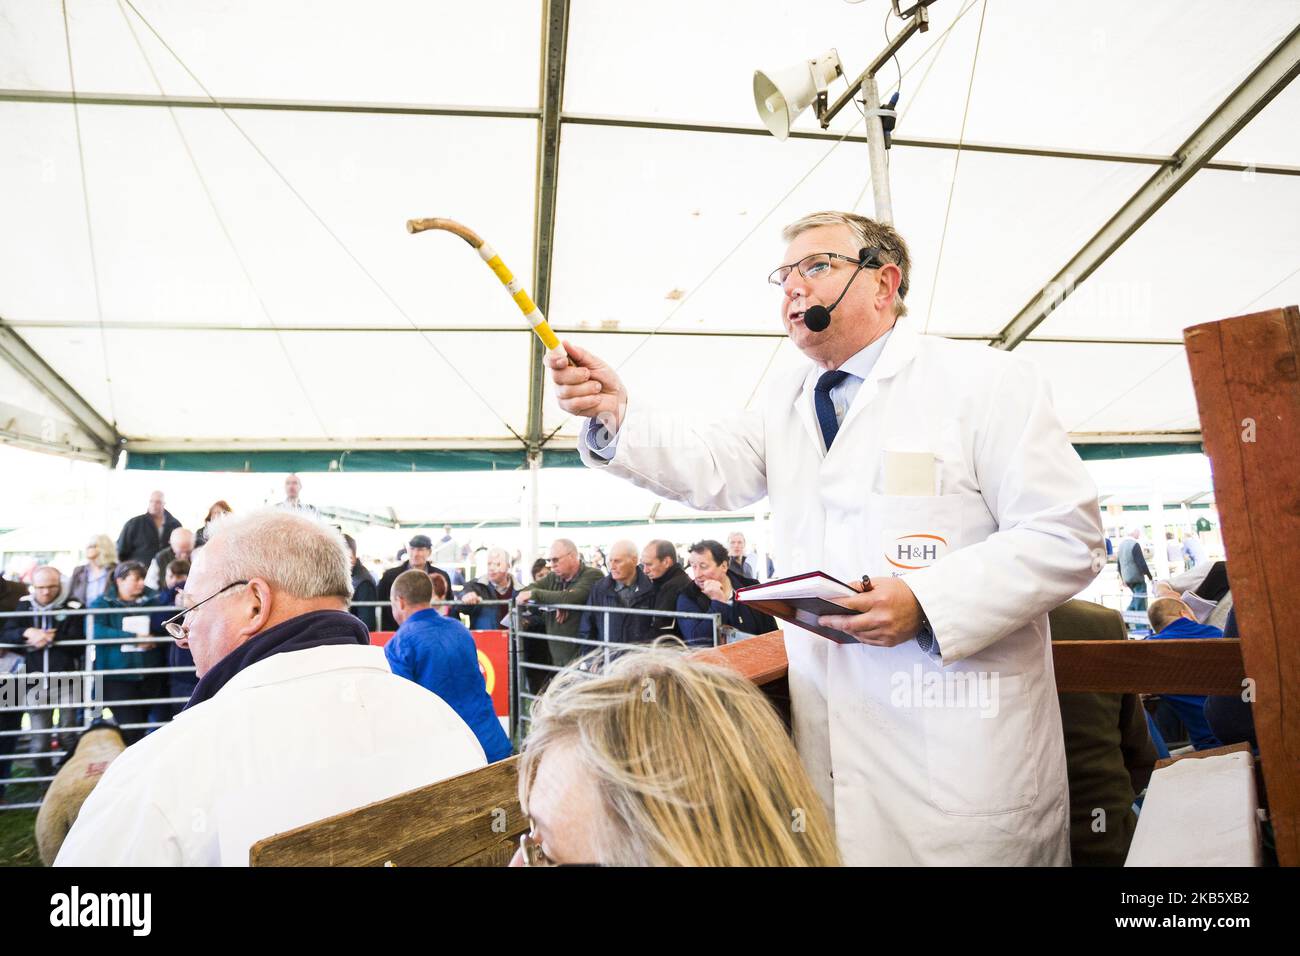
(569, 582)
(295, 716)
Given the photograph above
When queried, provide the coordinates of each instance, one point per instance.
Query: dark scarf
(316, 629)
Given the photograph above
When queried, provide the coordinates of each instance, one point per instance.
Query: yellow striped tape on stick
(489, 255)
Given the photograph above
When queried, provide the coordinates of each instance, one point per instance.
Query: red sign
(493, 663)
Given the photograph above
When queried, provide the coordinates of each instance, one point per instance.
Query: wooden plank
(494, 856)
(761, 659)
(463, 819)
(1201, 754)
(1246, 372)
(1118, 667)
(1148, 667)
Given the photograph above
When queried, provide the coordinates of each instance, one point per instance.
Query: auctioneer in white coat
(917, 765)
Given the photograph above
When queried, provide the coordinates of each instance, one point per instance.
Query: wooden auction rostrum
(1246, 372)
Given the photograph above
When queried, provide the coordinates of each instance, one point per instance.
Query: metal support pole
(534, 477)
(1159, 548)
(512, 649)
(876, 151)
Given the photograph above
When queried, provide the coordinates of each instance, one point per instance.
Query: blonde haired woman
(93, 578)
(663, 760)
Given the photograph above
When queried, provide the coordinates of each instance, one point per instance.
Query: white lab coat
(293, 738)
(909, 776)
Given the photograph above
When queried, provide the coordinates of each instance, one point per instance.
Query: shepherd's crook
(517, 292)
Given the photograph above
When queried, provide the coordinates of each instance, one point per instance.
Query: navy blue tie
(825, 407)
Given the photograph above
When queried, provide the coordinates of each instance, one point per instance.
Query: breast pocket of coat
(977, 741)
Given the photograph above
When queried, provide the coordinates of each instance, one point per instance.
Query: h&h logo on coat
(911, 552)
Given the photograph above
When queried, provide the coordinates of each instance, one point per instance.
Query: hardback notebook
(801, 600)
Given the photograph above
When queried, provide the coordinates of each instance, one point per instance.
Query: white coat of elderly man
(939, 469)
(295, 716)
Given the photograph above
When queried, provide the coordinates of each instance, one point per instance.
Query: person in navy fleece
(180, 683)
(438, 653)
(714, 592)
(1170, 619)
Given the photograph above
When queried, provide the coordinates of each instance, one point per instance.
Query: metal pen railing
(520, 666)
(87, 701)
(80, 691)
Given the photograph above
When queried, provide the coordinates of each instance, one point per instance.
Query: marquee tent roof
(203, 204)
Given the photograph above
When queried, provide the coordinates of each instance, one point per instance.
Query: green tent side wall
(415, 460)
(435, 460)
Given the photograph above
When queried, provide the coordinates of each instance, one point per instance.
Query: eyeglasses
(810, 267)
(530, 845)
(560, 558)
(180, 632)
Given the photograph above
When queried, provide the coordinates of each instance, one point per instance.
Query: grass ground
(18, 827)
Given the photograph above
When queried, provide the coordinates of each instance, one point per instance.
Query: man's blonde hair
(107, 553)
(868, 234)
(693, 765)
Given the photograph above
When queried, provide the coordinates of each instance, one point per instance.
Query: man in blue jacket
(438, 653)
(1170, 619)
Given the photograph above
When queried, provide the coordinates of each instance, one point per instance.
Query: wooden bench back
(470, 820)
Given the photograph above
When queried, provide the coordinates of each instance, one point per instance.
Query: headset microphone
(818, 318)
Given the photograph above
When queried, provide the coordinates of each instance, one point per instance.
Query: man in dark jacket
(626, 586)
(714, 592)
(1133, 569)
(40, 633)
(1108, 751)
(10, 593)
(496, 585)
(418, 550)
(570, 582)
(39, 636)
(180, 683)
(180, 546)
(659, 559)
(363, 588)
(145, 535)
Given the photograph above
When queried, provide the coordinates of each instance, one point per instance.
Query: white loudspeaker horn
(781, 96)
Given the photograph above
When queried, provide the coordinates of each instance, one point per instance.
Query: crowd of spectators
(274, 642)
(571, 605)
(145, 678)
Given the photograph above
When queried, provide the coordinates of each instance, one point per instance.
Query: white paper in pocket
(910, 473)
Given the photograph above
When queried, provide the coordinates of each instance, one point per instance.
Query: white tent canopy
(204, 248)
